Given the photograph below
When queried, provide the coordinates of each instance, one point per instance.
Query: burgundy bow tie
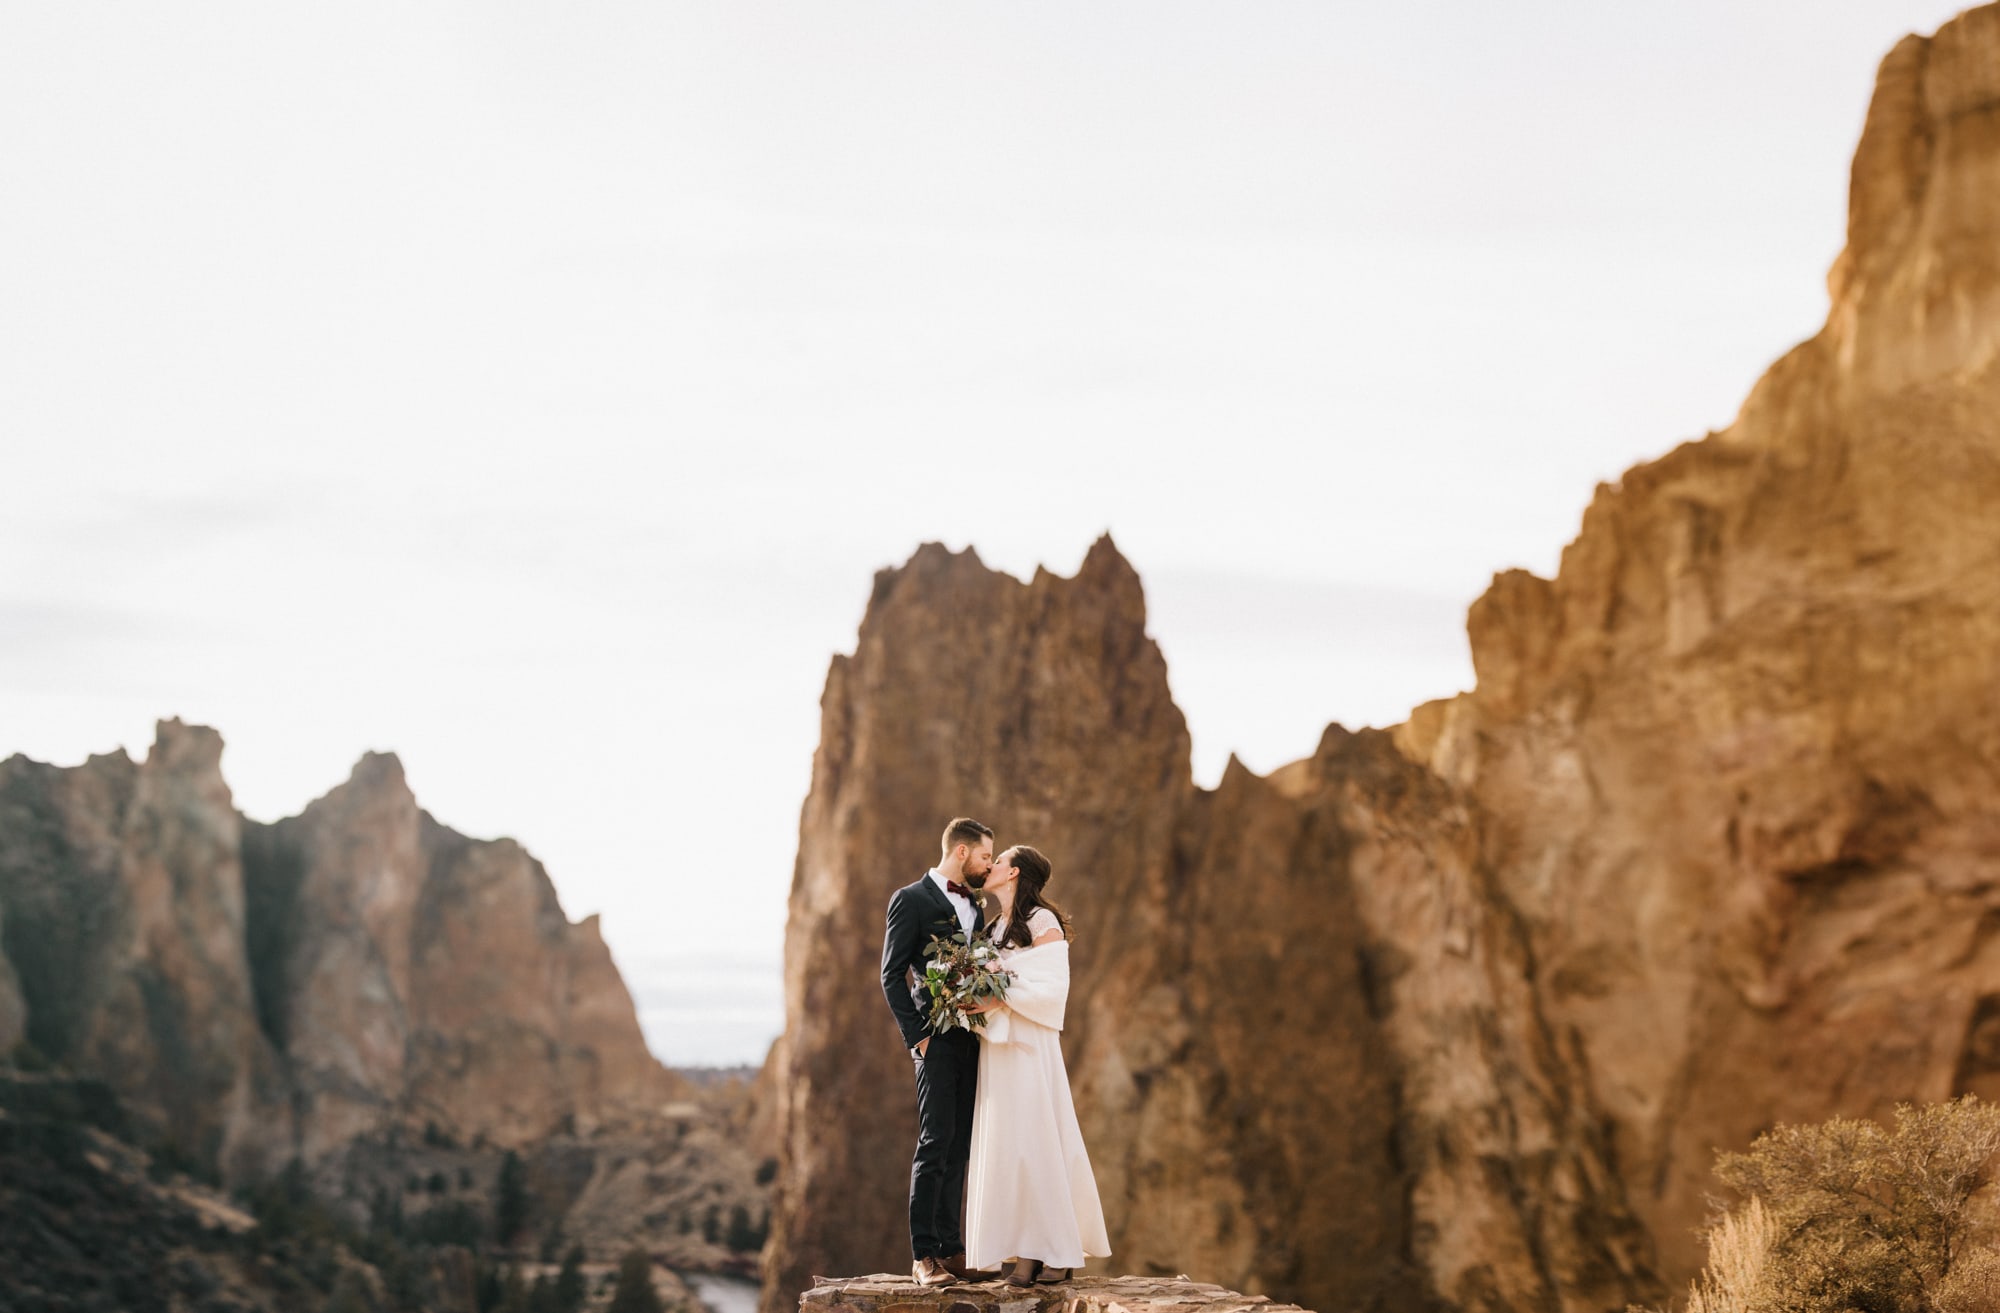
(953, 886)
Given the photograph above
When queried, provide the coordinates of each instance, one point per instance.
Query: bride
(1030, 1194)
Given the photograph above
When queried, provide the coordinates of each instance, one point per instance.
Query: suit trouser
(947, 1075)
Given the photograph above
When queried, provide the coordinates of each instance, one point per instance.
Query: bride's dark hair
(1032, 872)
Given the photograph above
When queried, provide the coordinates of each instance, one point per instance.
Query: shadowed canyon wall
(1456, 1013)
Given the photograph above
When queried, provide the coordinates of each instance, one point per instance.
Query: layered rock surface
(1459, 1011)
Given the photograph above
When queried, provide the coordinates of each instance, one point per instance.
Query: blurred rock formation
(1458, 1012)
(363, 990)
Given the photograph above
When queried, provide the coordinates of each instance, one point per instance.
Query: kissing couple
(999, 1143)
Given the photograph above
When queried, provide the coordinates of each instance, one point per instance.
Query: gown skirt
(1030, 1192)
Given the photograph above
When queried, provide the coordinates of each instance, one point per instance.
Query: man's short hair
(965, 830)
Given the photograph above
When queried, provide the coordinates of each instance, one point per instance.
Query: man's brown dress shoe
(930, 1272)
(955, 1264)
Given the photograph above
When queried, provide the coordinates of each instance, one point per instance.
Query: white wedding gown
(1029, 1188)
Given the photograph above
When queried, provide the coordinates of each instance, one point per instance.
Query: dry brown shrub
(1739, 1249)
(1847, 1216)
(1869, 1219)
(1972, 1285)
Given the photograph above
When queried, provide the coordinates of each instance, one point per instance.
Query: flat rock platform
(886, 1292)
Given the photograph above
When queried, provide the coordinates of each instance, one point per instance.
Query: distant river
(723, 1294)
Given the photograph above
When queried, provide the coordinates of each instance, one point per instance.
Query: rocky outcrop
(397, 1006)
(258, 992)
(125, 922)
(1459, 1011)
(13, 1007)
(1046, 700)
(88, 1220)
(884, 1293)
(84, 1222)
(1268, 1091)
(430, 978)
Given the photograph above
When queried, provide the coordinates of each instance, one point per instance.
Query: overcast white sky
(533, 390)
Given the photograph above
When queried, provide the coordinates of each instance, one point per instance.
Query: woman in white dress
(1030, 1194)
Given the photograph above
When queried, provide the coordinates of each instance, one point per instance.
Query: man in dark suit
(941, 904)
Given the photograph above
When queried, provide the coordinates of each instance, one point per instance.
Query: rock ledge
(885, 1293)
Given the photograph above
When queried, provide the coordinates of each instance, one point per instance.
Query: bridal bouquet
(959, 972)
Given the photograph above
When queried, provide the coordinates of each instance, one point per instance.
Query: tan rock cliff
(428, 977)
(258, 991)
(1737, 759)
(1459, 1011)
(125, 924)
(1303, 1039)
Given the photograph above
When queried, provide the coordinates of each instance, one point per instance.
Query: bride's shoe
(1024, 1273)
(1050, 1276)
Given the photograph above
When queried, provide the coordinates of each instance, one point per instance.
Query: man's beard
(975, 881)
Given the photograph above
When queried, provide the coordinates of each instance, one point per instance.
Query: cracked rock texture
(1456, 1013)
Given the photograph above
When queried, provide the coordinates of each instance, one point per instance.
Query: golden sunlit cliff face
(1457, 1013)
(1738, 759)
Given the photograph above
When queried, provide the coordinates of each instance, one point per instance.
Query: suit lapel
(938, 900)
(943, 904)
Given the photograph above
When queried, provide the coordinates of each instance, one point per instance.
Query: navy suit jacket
(916, 912)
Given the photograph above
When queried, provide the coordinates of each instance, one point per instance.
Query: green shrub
(454, 1223)
(29, 1058)
(743, 1237)
(349, 1294)
(510, 1211)
(635, 1293)
(570, 1291)
(513, 1293)
(170, 1156)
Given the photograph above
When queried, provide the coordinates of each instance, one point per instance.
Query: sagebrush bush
(1739, 1247)
(1972, 1285)
(1847, 1216)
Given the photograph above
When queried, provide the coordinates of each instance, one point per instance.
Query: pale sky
(533, 391)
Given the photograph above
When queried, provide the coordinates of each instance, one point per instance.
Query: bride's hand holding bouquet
(965, 981)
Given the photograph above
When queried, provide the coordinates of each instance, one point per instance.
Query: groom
(941, 903)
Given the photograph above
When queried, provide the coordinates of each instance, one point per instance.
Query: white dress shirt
(959, 902)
